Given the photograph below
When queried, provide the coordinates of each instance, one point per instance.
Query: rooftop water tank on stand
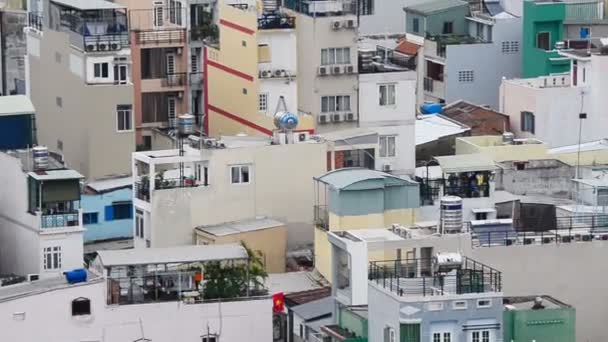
(41, 157)
(285, 120)
(450, 214)
(185, 124)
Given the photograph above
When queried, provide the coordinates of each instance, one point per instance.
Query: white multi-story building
(40, 217)
(543, 107)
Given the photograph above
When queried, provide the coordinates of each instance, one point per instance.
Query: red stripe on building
(237, 27)
(238, 119)
(206, 91)
(230, 70)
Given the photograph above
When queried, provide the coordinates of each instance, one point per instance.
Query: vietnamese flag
(278, 302)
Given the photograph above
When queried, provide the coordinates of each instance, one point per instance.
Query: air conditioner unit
(350, 69)
(351, 23)
(336, 69)
(387, 167)
(209, 142)
(350, 117)
(336, 24)
(336, 117)
(323, 71)
(33, 277)
(102, 46)
(91, 47)
(265, 73)
(301, 137)
(323, 118)
(278, 73)
(115, 46)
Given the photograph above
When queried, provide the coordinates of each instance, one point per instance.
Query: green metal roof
(343, 179)
(15, 105)
(429, 7)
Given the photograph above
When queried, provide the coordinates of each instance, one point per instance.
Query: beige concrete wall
(272, 242)
(281, 188)
(86, 120)
(488, 146)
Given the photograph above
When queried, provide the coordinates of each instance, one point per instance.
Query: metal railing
(196, 78)
(276, 21)
(167, 36)
(178, 79)
(418, 277)
(69, 219)
(470, 191)
(172, 183)
(201, 32)
(34, 20)
(321, 216)
(142, 191)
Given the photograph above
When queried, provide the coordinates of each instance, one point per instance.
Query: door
(409, 333)
(120, 74)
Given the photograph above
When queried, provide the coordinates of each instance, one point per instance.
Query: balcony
(161, 25)
(423, 277)
(34, 20)
(178, 79)
(156, 37)
(323, 7)
(196, 79)
(321, 216)
(434, 88)
(273, 21)
(60, 220)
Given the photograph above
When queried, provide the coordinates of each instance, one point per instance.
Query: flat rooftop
(16, 105)
(527, 302)
(25, 289)
(181, 254)
(238, 227)
(27, 160)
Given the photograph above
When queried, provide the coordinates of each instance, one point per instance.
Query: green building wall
(547, 325)
(352, 322)
(434, 21)
(543, 17)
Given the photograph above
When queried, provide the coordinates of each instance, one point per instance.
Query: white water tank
(450, 214)
(185, 124)
(41, 157)
(508, 138)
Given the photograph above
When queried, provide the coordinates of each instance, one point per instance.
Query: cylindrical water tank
(450, 214)
(78, 275)
(431, 108)
(285, 120)
(507, 138)
(185, 124)
(41, 157)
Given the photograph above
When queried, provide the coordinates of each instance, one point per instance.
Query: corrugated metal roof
(110, 183)
(466, 163)
(15, 105)
(242, 226)
(181, 254)
(88, 4)
(343, 178)
(429, 7)
(315, 309)
(44, 175)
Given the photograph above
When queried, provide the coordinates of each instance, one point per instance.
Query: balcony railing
(198, 33)
(196, 78)
(70, 219)
(470, 191)
(169, 36)
(178, 79)
(108, 31)
(420, 277)
(142, 191)
(172, 183)
(321, 216)
(34, 20)
(276, 21)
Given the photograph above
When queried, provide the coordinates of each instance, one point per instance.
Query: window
(436, 337)
(509, 47)
(243, 43)
(466, 76)
(118, 211)
(100, 70)
(209, 338)
(171, 103)
(410, 332)
(59, 101)
(389, 335)
(527, 122)
(447, 337)
(59, 145)
(387, 146)
(57, 57)
(484, 303)
(416, 25)
(448, 27)
(330, 104)
(263, 103)
(121, 73)
(158, 13)
(335, 56)
(387, 95)
(194, 61)
(366, 7)
(485, 336)
(239, 174)
(459, 304)
(434, 306)
(480, 336)
(124, 118)
(244, 91)
(139, 223)
(52, 258)
(170, 64)
(81, 306)
(263, 53)
(90, 218)
(481, 216)
(475, 336)
(543, 40)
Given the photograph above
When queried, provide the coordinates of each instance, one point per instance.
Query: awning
(466, 163)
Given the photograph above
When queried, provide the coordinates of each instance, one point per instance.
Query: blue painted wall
(111, 228)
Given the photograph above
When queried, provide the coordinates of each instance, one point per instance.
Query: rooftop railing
(421, 277)
(271, 21)
(34, 20)
(321, 216)
(60, 220)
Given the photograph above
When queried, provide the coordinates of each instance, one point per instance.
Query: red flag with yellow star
(278, 302)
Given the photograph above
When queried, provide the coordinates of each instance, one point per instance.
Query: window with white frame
(239, 174)
(175, 12)
(442, 337)
(139, 223)
(124, 118)
(466, 76)
(387, 94)
(480, 336)
(101, 70)
(387, 146)
(484, 303)
(158, 14)
(170, 64)
(121, 73)
(171, 104)
(366, 7)
(527, 122)
(263, 102)
(339, 103)
(332, 56)
(459, 304)
(390, 335)
(510, 47)
(194, 60)
(52, 258)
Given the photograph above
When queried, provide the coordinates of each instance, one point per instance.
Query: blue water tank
(78, 275)
(431, 108)
(285, 120)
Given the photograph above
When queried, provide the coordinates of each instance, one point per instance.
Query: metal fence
(178, 79)
(321, 216)
(70, 219)
(142, 191)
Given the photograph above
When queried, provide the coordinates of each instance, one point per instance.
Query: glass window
(387, 95)
(366, 7)
(543, 40)
(416, 25)
(387, 146)
(100, 70)
(119, 211)
(527, 122)
(485, 336)
(475, 336)
(90, 218)
(447, 337)
(52, 258)
(436, 337)
(124, 118)
(448, 27)
(239, 174)
(139, 223)
(332, 56)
